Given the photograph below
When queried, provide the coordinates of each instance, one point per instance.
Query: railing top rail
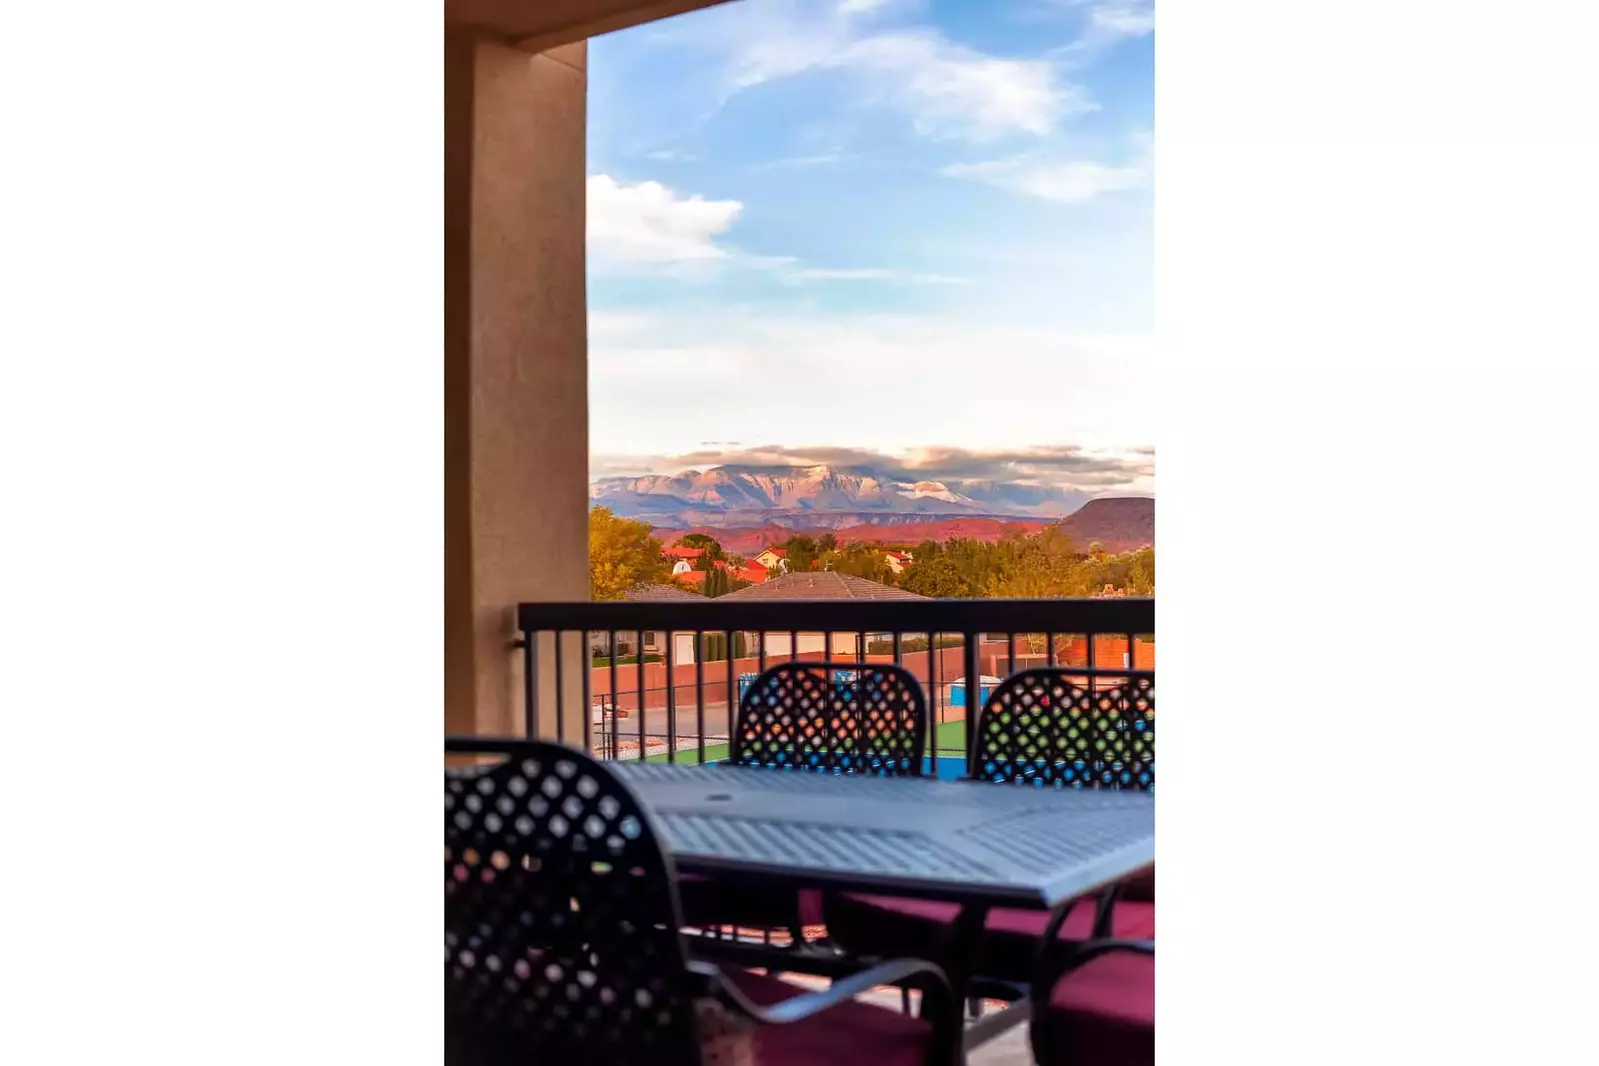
(1109, 616)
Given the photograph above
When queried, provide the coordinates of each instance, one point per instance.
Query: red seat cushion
(1103, 1013)
(850, 1032)
(890, 926)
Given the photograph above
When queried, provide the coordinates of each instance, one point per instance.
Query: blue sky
(885, 225)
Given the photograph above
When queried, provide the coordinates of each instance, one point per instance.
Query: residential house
(654, 641)
(897, 561)
(817, 585)
(772, 558)
(752, 572)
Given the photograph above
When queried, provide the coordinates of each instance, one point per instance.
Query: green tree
(705, 542)
(940, 577)
(1043, 565)
(861, 560)
(1141, 572)
(803, 553)
(716, 583)
(827, 542)
(622, 554)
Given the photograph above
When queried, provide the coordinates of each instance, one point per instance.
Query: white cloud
(1122, 18)
(645, 222)
(824, 159)
(647, 225)
(1105, 22)
(952, 91)
(873, 274)
(860, 7)
(1067, 181)
(863, 380)
(946, 89)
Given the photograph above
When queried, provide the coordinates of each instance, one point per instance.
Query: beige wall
(845, 645)
(516, 347)
(516, 351)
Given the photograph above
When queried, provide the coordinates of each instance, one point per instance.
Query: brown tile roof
(821, 585)
(659, 594)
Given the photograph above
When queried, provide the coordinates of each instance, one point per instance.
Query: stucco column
(515, 369)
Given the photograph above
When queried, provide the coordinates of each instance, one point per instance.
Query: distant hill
(1120, 524)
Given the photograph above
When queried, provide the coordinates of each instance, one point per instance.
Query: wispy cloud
(820, 160)
(1063, 180)
(1120, 18)
(1066, 467)
(873, 274)
(1107, 22)
(946, 89)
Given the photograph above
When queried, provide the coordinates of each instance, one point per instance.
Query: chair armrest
(1050, 971)
(798, 1008)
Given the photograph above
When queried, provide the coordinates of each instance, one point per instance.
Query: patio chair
(1040, 728)
(561, 941)
(1097, 1007)
(805, 717)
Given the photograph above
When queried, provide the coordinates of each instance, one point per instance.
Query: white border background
(220, 428)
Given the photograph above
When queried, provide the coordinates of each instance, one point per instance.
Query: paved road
(655, 722)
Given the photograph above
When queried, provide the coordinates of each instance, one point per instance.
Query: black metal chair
(1042, 728)
(806, 716)
(1093, 1004)
(842, 718)
(562, 943)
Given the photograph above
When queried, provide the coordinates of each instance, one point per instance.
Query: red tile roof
(658, 594)
(821, 585)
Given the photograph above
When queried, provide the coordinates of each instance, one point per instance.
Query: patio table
(968, 842)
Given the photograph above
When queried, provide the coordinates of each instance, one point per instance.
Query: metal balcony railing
(661, 680)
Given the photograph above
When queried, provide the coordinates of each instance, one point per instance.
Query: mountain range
(820, 497)
(749, 507)
(1119, 524)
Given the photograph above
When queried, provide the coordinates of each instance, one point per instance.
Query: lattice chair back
(1056, 727)
(834, 717)
(561, 918)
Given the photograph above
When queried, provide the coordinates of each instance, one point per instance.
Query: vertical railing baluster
(560, 691)
(1049, 639)
(1097, 766)
(588, 696)
(530, 683)
(730, 699)
(935, 718)
(1010, 654)
(639, 661)
(671, 698)
(974, 688)
(616, 704)
(793, 646)
(860, 697)
(699, 688)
